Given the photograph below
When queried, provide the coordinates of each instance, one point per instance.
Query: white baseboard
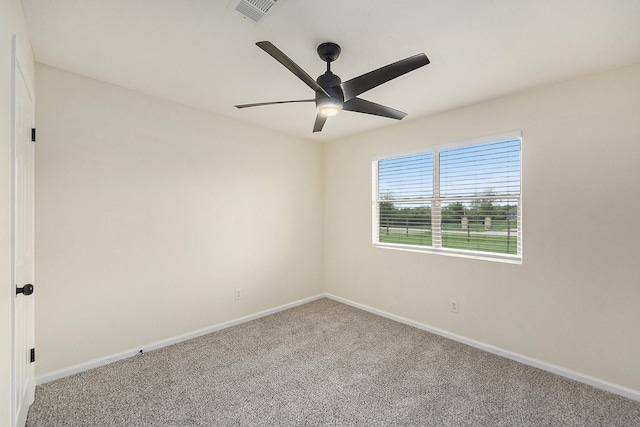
(85, 366)
(558, 370)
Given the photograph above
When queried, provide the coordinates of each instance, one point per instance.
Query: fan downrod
(328, 51)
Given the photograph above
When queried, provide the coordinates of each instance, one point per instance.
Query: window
(463, 199)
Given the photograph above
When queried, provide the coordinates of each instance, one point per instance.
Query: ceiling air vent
(255, 10)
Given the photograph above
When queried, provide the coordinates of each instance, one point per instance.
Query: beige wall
(150, 214)
(12, 21)
(574, 300)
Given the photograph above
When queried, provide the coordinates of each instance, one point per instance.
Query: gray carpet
(324, 363)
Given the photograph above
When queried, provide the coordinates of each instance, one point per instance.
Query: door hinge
(32, 355)
(33, 134)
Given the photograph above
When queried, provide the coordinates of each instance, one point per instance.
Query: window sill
(507, 259)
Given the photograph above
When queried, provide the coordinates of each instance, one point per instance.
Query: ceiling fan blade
(320, 120)
(360, 105)
(258, 104)
(279, 56)
(363, 83)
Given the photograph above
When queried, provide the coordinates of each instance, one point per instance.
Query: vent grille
(255, 10)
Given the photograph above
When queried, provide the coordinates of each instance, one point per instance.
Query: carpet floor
(324, 363)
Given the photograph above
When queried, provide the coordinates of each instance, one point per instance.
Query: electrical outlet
(238, 294)
(453, 306)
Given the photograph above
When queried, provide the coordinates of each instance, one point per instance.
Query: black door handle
(26, 289)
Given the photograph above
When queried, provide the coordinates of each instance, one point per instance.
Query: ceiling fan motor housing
(331, 84)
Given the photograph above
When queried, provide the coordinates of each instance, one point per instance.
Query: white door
(23, 374)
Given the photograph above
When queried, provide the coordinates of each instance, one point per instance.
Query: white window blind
(463, 200)
(405, 193)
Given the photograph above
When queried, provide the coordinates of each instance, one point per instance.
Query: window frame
(436, 201)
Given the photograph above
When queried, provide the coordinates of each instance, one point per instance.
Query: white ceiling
(202, 53)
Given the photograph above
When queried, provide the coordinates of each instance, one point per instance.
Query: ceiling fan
(333, 95)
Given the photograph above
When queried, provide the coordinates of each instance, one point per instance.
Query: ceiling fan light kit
(332, 95)
(328, 107)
